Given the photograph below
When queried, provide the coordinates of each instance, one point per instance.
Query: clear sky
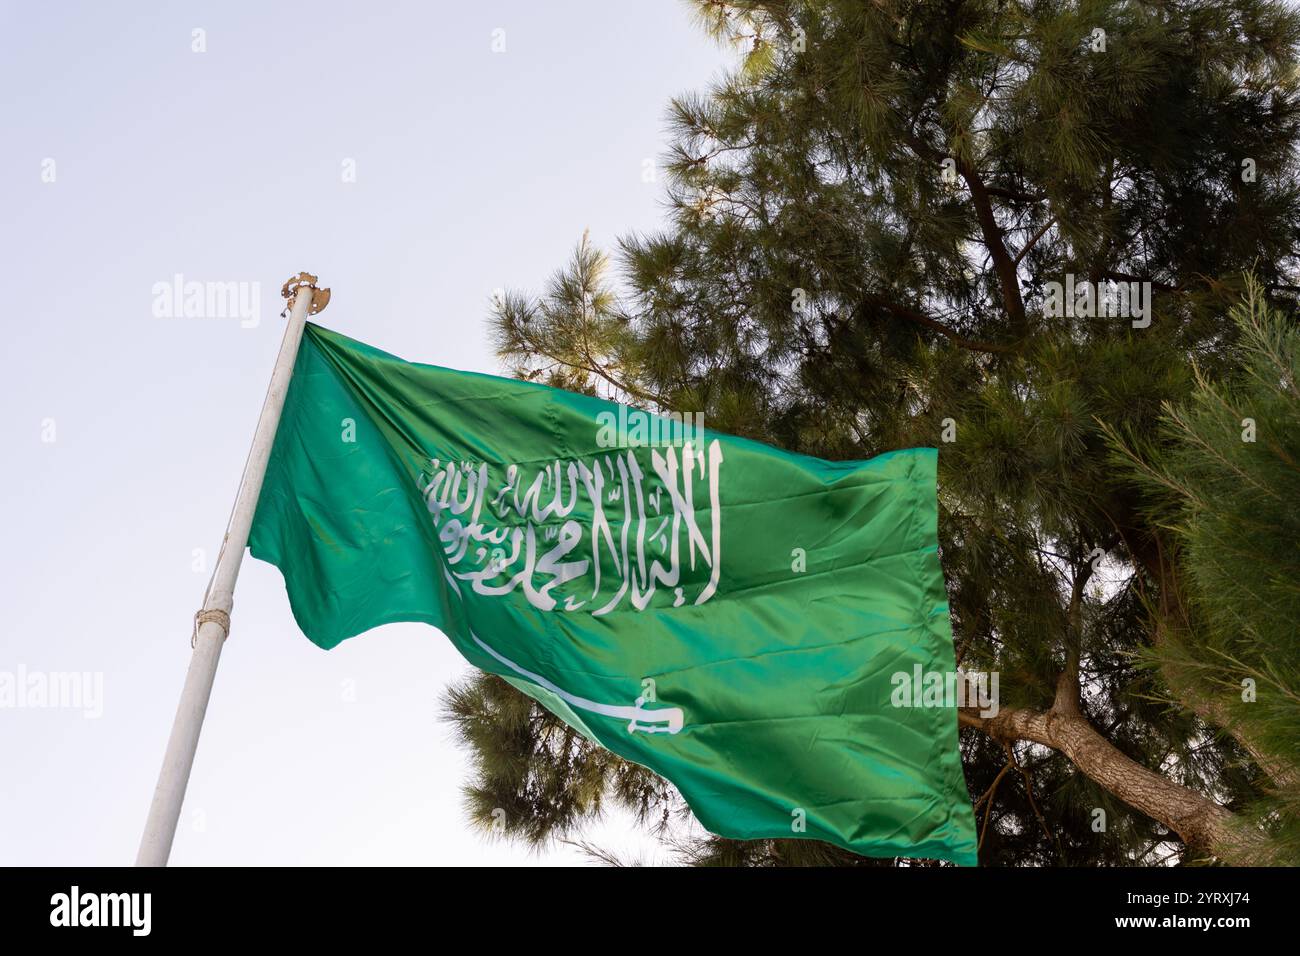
(131, 158)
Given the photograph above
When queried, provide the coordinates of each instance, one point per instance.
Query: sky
(416, 157)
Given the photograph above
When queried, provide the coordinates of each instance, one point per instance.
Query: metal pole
(212, 623)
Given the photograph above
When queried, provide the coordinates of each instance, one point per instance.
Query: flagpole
(212, 622)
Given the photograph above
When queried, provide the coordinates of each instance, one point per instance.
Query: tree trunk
(1203, 824)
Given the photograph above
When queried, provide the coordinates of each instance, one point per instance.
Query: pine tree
(1225, 483)
(872, 224)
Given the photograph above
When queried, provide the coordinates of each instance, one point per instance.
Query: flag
(738, 618)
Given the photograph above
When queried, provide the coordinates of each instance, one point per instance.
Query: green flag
(737, 618)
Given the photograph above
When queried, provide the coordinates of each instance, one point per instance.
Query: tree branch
(1014, 195)
(920, 318)
(1003, 265)
(1203, 824)
(1033, 240)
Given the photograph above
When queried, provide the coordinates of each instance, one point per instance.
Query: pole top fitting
(319, 297)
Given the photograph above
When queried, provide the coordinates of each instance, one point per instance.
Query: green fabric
(728, 614)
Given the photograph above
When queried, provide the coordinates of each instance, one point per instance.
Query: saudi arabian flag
(735, 617)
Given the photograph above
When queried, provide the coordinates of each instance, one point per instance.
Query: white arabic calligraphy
(521, 536)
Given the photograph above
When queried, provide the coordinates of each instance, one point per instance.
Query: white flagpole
(212, 623)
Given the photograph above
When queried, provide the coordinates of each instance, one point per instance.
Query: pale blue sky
(474, 170)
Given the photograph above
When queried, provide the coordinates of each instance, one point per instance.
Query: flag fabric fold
(733, 616)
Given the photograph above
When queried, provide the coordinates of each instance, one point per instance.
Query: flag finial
(319, 297)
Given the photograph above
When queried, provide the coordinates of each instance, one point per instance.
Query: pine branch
(1003, 266)
(920, 318)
